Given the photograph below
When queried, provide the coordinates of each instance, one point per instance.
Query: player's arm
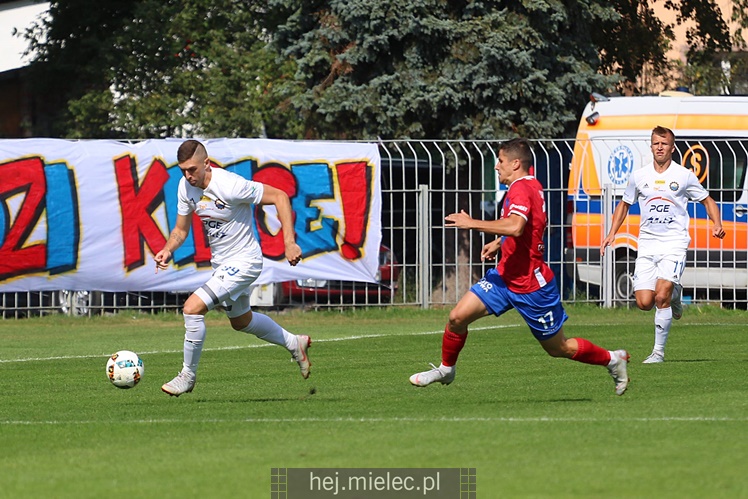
(490, 250)
(619, 215)
(513, 225)
(176, 238)
(282, 204)
(712, 211)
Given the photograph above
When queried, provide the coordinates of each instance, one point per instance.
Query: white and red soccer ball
(125, 369)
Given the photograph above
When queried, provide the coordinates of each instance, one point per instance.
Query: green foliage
(713, 68)
(349, 69)
(637, 40)
(630, 39)
(73, 54)
(435, 69)
(715, 74)
(162, 68)
(67, 433)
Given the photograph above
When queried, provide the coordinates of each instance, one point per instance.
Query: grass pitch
(531, 425)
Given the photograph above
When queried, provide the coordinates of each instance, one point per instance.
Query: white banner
(90, 215)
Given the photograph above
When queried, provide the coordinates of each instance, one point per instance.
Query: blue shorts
(541, 309)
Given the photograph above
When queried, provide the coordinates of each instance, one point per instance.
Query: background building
(15, 99)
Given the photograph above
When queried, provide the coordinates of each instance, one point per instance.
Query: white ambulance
(613, 140)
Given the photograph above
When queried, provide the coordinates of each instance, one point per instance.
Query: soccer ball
(125, 369)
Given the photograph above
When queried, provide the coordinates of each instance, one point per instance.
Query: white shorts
(229, 286)
(649, 269)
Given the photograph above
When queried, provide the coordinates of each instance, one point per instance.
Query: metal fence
(425, 181)
(423, 263)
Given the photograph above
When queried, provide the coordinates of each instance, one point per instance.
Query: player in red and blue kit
(522, 280)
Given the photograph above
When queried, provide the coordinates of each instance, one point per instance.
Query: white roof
(17, 15)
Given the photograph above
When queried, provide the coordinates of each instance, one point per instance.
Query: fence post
(608, 264)
(424, 247)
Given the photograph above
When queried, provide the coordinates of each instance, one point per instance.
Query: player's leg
(669, 270)
(645, 290)
(545, 315)
(245, 320)
(645, 277)
(668, 292)
(194, 311)
(663, 320)
(467, 310)
(471, 307)
(236, 279)
(226, 281)
(583, 350)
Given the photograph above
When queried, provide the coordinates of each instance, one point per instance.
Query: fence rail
(423, 263)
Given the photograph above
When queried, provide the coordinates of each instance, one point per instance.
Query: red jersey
(522, 266)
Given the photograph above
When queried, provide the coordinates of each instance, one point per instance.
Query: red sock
(589, 353)
(452, 343)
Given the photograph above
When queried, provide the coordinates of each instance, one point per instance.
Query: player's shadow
(258, 400)
(266, 400)
(535, 401)
(559, 400)
(689, 360)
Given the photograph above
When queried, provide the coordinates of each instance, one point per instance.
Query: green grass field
(531, 425)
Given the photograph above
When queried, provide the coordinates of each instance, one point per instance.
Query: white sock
(267, 329)
(194, 336)
(613, 358)
(446, 369)
(663, 320)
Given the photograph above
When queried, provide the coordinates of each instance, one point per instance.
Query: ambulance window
(720, 165)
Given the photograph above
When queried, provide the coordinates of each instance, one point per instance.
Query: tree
(435, 69)
(712, 67)
(71, 57)
(348, 68)
(429, 68)
(152, 68)
(632, 40)
(637, 43)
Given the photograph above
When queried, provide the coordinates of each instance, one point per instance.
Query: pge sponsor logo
(212, 224)
(660, 208)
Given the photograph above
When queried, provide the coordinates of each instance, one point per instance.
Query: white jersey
(226, 210)
(663, 200)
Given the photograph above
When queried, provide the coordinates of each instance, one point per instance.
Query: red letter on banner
(138, 204)
(354, 180)
(25, 175)
(280, 178)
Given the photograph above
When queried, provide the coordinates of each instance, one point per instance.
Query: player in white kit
(663, 189)
(225, 202)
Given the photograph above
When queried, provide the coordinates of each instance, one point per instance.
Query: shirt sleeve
(248, 191)
(694, 190)
(631, 192)
(519, 200)
(183, 205)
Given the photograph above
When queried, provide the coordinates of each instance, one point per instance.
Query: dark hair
(518, 149)
(661, 131)
(188, 149)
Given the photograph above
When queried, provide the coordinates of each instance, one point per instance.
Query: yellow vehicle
(613, 140)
